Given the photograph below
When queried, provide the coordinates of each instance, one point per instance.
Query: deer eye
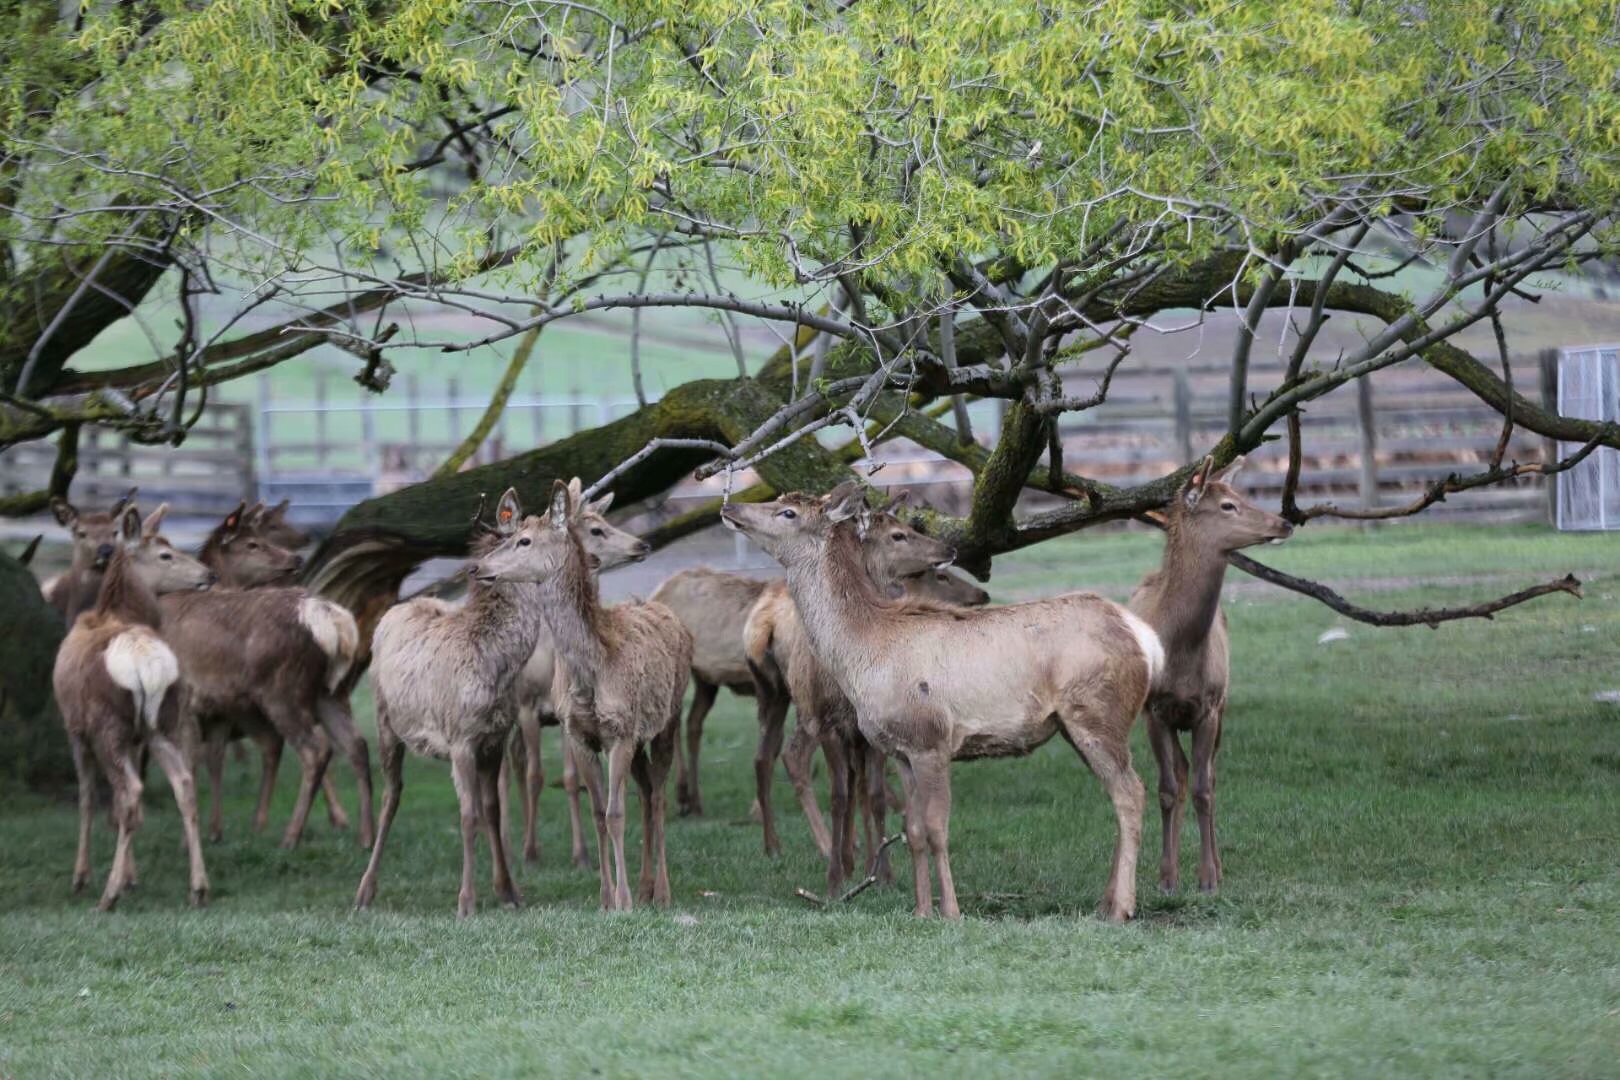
(1229, 506)
(899, 537)
(787, 512)
(523, 541)
(166, 556)
(596, 530)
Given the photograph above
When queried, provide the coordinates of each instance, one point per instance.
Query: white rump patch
(1148, 640)
(141, 663)
(335, 634)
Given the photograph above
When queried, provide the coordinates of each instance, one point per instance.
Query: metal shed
(1589, 389)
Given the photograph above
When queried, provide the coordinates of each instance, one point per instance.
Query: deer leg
(336, 816)
(772, 717)
(619, 756)
(339, 724)
(503, 778)
(933, 789)
(576, 829)
(270, 747)
(127, 814)
(640, 773)
(838, 805)
(489, 773)
(1206, 739)
(87, 809)
(687, 793)
(314, 752)
(1172, 798)
(532, 781)
(464, 773)
(174, 765)
(661, 753)
(877, 795)
(590, 768)
(213, 755)
(1109, 757)
(917, 843)
(796, 760)
(391, 756)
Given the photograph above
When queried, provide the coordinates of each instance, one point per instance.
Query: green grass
(1421, 840)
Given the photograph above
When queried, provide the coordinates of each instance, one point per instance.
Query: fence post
(413, 419)
(453, 389)
(266, 418)
(1369, 443)
(1549, 447)
(245, 452)
(1183, 407)
(320, 420)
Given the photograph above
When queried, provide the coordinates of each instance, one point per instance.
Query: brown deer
(713, 606)
(892, 552)
(95, 537)
(272, 663)
(270, 523)
(117, 683)
(620, 677)
(931, 685)
(245, 558)
(1206, 521)
(606, 547)
(786, 668)
(442, 676)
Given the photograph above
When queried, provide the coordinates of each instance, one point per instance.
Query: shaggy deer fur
(786, 668)
(931, 685)
(891, 551)
(442, 674)
(620, 676)
(1182, 602)
(118, 686)
(606, 547)
(713, 606)
(95, 536)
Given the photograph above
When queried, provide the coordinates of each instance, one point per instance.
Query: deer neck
(125, 596)
(884, 577)
(506, 625)
(572, 606)
(1190, 580)
(836, 599)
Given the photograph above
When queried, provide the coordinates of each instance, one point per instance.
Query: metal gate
(1589, 389)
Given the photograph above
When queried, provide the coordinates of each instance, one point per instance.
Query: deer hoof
(199, 896)
(465, 906)
(80, 881)
(365, 895)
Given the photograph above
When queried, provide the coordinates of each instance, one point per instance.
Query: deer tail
(141, 663)
(1148, 640)
(336, 634)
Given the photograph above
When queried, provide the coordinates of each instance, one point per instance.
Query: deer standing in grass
(787, 670)
(1207, 520)
(442, 676)
(118, 685)
(620, 677)
(713, 606)
(95, 538)
(245, 553)
(931, 685)
(605, 548)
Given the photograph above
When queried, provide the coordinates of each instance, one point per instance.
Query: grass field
(1421, 842)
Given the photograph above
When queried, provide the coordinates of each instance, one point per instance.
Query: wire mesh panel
(1589, 389)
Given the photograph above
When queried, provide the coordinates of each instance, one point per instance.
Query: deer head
(154, 560)
(1211, 510)
(270, 523)
(792, 526)
(605, 545)
(95, 534)
(944, 587)
(527, 549)
(244, 557)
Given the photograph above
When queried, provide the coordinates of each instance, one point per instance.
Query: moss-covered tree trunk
(33, 749)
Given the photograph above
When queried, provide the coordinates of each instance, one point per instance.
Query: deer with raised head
(270, 662)
(713, 606)
(620, 677)
(931, 685)
(606, 547)
(786, 672)
(786, 669)
(1206, 521)
(118, 686)
(95, 538)
(244, 557)
(442, 676)
(270, 523)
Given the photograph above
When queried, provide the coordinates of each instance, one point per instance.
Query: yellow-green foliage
(939, 128)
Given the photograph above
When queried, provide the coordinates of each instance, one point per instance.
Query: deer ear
(562, 504)
(902, 499)
(600, 506)
(154, 521)
(1193, 489)
(232, 523)
(508, 513)
(129, 525)
(66, 515)
(279, 511)
(576, 488)
(845, 501)
(123, 500)
(255, 515)
(1231, 470)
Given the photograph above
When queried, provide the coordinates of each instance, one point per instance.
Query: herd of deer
(882, 651)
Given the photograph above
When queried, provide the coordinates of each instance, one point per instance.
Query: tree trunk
(33, 748)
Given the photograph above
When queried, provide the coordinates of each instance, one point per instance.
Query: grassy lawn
(1421, 841)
